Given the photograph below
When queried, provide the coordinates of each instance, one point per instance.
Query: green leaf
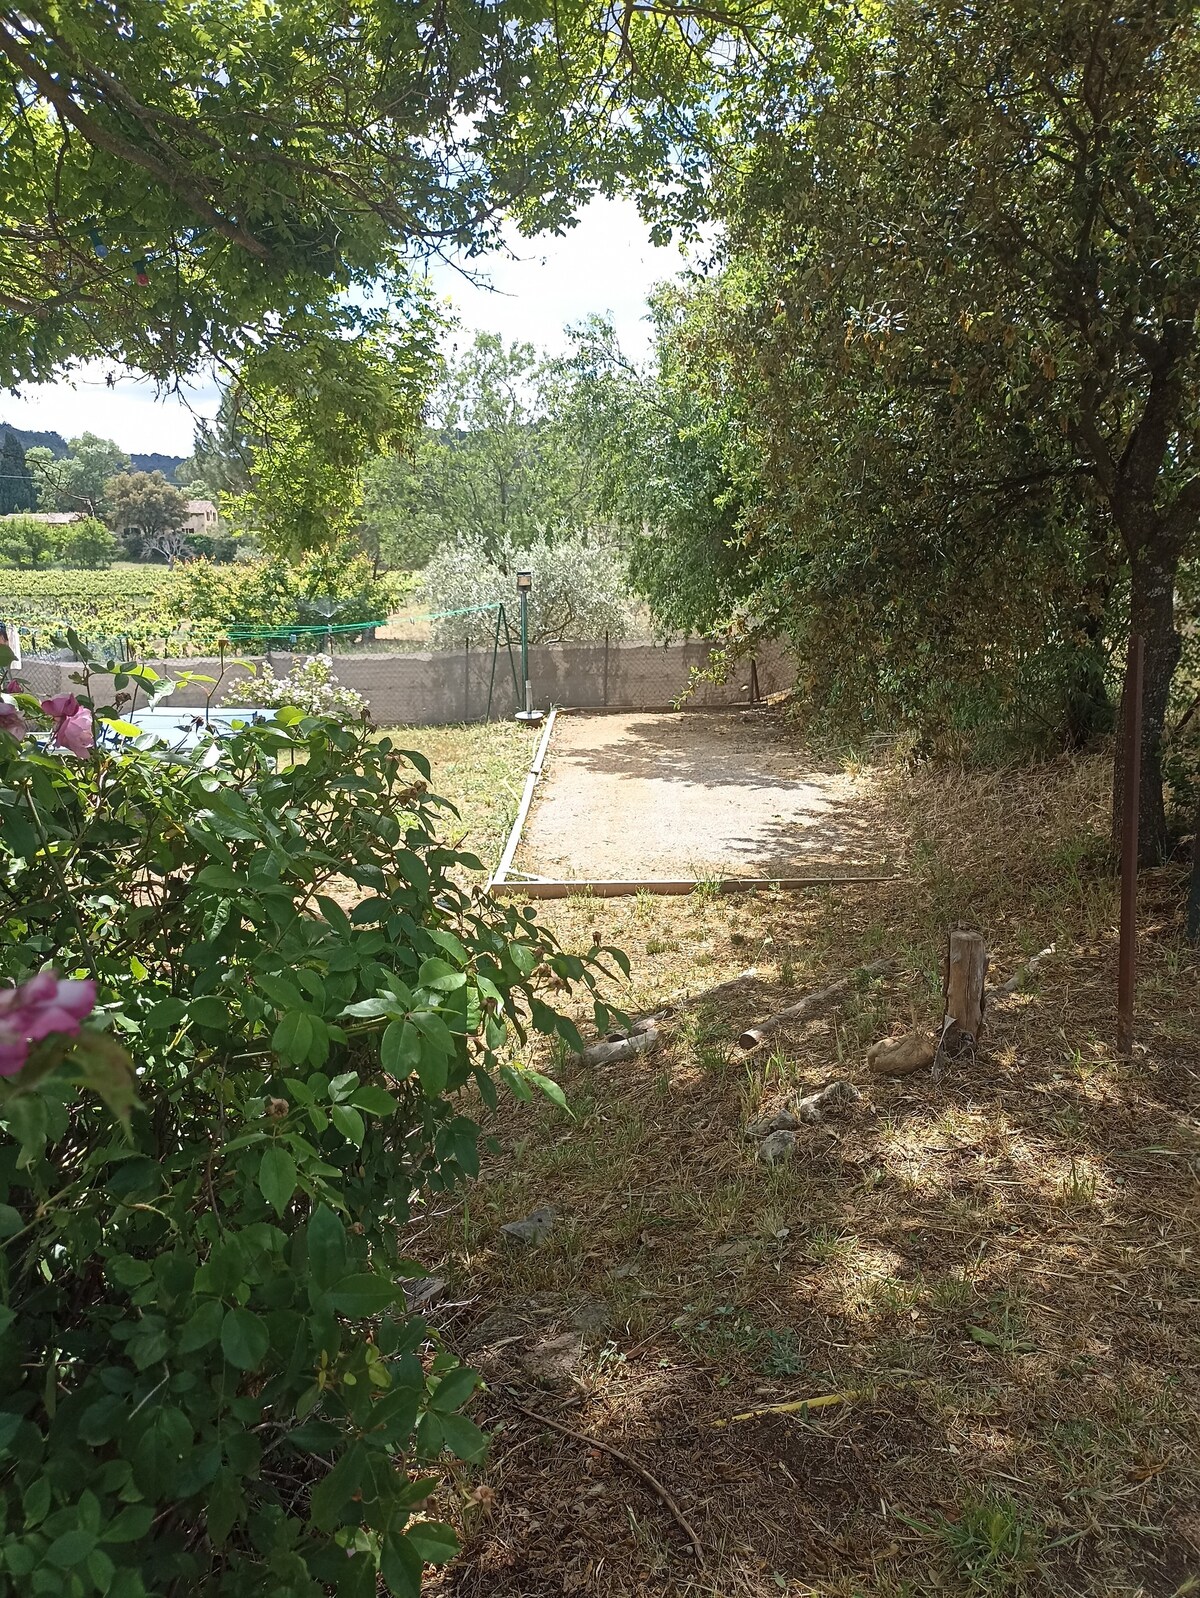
(277, 1178)
(282, 994)
(165, 1015)
(549, 1087)
(349, 1123)
(442, 977)
(202, 1327)
(400, 1050)
(10, 1219)
(980, 1334)
(209, 1011)
(363, 1295)
(400, 1566)
(334, 1493)
(325, 1238)
(463, 1438)
(128, 1525)
(454, 1389)
(72, 1548)
(244, 1339)
(293, 1037)
(370, 1098)
(432, 1541)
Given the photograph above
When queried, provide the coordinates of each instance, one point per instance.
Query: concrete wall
(433, 689)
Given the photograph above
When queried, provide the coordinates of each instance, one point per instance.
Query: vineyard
(141, 611)
(127, 610)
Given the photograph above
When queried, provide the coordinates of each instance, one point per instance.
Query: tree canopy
(499, 463)
(951, 345)
(186, 179)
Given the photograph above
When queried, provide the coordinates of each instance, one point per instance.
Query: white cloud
(606, 263)
(131, 412)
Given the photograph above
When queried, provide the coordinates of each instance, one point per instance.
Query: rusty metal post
(1131, 728)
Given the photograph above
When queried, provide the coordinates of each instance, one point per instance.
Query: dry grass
(1000, 1264)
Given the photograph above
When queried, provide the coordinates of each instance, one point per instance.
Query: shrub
(310, 688)
(281, 593)
(580, 589)
(209, 1380)
(86, 543)
(26, 541)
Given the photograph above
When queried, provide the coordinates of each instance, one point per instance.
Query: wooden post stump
(966, 973)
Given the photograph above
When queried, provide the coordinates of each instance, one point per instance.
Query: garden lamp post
(524, 589)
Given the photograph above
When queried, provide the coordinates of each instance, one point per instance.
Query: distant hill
(51, 441)
(165, 464)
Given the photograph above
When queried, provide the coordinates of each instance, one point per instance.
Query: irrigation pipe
(518, 826)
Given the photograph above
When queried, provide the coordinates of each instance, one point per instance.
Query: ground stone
(778, 1147)
(535, 1228)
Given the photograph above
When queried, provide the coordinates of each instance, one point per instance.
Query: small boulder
(901, 1056)
(778, 1147)
(535, 1228)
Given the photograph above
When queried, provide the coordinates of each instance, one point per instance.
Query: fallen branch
(754, 1037)
(639, 1470)
(825, 1401)
(639, 1040)
(1017, 980)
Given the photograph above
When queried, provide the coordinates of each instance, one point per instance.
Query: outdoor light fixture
(524, 589)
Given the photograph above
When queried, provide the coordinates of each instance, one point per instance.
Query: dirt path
(692, 795)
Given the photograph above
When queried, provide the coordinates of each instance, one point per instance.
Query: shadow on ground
(996, 1270)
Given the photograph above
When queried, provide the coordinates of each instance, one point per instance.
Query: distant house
(201, 516)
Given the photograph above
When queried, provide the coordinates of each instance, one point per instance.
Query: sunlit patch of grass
(480, 769)
(992, 1542)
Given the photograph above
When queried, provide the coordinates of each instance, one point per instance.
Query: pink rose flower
(11, 720)
(44, 1005)
(73, 729)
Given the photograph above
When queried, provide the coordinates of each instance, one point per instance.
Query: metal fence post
(467, 678)
(605, 697)
(1130, 802)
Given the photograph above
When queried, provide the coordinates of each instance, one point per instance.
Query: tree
(45, 468)
(84, 474)
(146, 504)
(498, 466)
(397, 525)
(18, 491)
(580, 589)
(86, 542)
(26, 541)
(962, 262)
(660, 438)
(192, 182)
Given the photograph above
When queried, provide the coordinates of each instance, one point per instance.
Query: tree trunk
(1152, 614)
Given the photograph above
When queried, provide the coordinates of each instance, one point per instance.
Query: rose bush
(209, 1378)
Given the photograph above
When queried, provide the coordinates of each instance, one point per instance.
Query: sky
(605, 264)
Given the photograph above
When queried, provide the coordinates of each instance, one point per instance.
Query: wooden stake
(966, 973)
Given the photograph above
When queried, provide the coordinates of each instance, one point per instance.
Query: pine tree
(18, 491)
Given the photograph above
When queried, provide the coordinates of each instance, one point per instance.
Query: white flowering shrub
(311, 688)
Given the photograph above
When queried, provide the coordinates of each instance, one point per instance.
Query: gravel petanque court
(692, 795)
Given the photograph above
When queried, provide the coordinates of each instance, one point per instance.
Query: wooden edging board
(531, 782)
(543, 889)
